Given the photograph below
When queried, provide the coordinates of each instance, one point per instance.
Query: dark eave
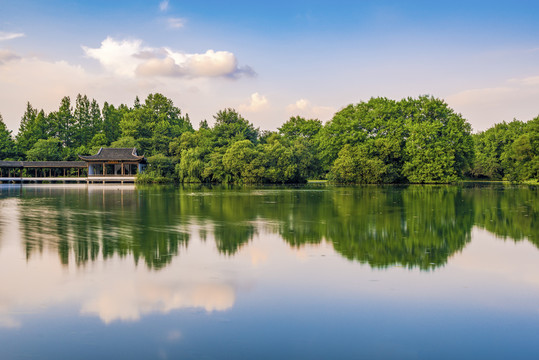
(11, 164)
(114, 154)
(54, 164)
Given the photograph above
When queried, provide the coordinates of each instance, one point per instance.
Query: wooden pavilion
(108, 165)
(114, 162)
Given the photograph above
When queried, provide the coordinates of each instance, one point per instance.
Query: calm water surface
(411, 272)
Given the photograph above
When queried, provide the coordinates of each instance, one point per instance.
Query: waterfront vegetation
(414, 140)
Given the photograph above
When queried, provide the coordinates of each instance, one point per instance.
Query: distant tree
(7, 145)
(161, 166)
(230, 127)
(305, 132)
(95, 118)
(46, 150)
(355, 166)
(154, 124)
(367, 121)
(81, 122)
(237, 161)
(111, 121)
(284, 161)
(493, 149)
(124, 142)
(523, 154)
(299, 127)
(34, 125)
(439, 144)
(97, 142)
(64, 123)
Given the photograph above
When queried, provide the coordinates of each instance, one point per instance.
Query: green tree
(34, 125)
(439, 145)
(160, 165)
(355, 166)
(46, 150)
(237, 161)
(7, 145)
(493, 150)
(370, 122)
(97, 142)
(230, 127)
(522, 157)
(111, 121)
(299, 127)
(124, 142)
(305, 132)
(154, 124)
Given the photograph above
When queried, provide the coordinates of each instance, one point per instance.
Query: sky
(272, 60)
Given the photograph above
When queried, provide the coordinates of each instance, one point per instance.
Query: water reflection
(511, 212)
(237, 271)
(84, 224)
(412, 226)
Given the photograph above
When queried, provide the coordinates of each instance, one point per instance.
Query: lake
(311, 272)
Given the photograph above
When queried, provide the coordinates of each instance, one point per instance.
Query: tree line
(414, 140)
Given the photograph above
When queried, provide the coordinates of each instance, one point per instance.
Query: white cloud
(129, 58)
(176, 23)
(257, 103)
(531, 80)
(482, 107)
(482, 95)
(212, 63)
(303, 107)
(301, 104)
(163, 5)
(159, 67)
(41, 82)
(118, 57)
(9, 36)
(7, 55)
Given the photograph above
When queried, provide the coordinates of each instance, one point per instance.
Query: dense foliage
(414, 140)
(508, 151)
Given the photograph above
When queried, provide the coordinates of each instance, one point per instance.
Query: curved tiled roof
(114, 154)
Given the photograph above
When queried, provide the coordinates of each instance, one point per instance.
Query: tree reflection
(83, 224)
(508, 211)
(418, 226)
(411, 226)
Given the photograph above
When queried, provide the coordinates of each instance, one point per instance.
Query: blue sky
(272, 60)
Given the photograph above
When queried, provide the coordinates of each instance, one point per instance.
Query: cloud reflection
(130, 302)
